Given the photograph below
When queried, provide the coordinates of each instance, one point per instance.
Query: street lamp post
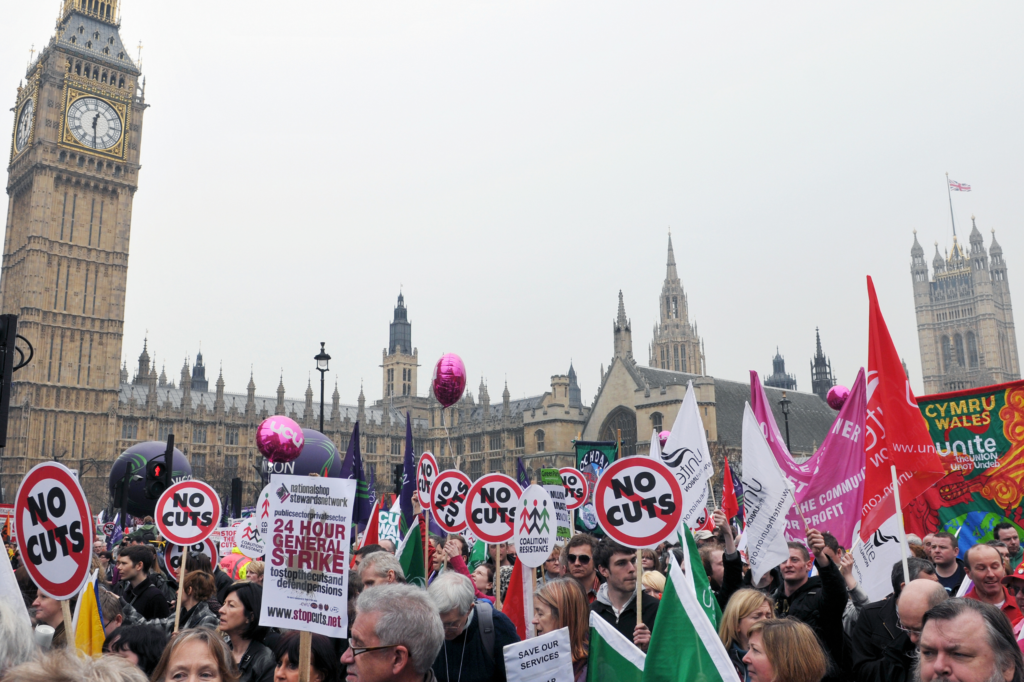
(322, 360)
(785, 415)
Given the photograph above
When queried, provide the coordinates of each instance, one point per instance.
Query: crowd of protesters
(807, 620)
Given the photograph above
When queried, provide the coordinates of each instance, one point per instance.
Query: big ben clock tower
(74, 169)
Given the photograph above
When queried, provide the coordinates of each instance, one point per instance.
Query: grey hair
(407, 617)
(380, 563)
(1000, 635)
(452, 590)
(16, 643)
(914, 540)
(62, 665)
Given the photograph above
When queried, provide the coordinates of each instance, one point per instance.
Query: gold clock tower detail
(74, 168)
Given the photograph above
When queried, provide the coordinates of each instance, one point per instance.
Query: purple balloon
(449, 379)
(279, 439)
(837, 396)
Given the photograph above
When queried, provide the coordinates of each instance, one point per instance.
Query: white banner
(548, 657)
(767, 497)
(306, 581)
(873, 560)
(389, 527)
(686, 454)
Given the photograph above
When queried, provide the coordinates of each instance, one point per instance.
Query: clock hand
(95, 121)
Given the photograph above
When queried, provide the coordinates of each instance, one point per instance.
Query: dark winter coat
(880, 649)
(147, 598)
(625, 622)
(466, 652)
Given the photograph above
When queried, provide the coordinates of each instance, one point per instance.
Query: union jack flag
(959, 186)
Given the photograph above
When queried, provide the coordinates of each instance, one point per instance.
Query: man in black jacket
(616, 599)
(817, 601)
(881, 645)
(136, 586)
(723, 566)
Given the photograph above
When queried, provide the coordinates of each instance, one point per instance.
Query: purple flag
(408, 476)
(352, 468)
(829, 486)
(522, 477)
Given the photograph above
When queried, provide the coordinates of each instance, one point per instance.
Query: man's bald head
(917, 597)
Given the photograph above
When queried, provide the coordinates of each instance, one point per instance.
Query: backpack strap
(485, 612)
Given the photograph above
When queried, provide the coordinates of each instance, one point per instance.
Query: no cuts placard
(491, 510)
(448, 498)
(172, 555)
(575, 487)
(54, 528)
(187, 512)
(638, 502)
(305, 586)
(426, 473)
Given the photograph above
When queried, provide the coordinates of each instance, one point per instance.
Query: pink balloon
(663, 437)
(279, 439)
(837, 396)
(449, 379)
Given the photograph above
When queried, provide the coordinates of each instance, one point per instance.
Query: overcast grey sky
(513, 165)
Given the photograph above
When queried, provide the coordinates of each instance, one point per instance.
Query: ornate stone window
(621, 419)
(539, 436)
(656, 421)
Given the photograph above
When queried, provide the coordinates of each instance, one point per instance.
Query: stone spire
(186, 386)
(142, 373)
(361, 411)
(821, 370)
(622, 333)
(575, 394)
(250, 401)
(162, 381)
(938, 263)
(335, 403)
(124, 372)
(279, 408)
(307, 413)
(670, 271)
(485, 399)
(916, 251)
(995, 249)
(505, 396)
(218, 403)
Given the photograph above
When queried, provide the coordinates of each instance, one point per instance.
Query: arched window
(959, 341)
(947, 354)
(621, 419)
(675, 308)
(675, 358)
(539, 436)
(972, 350)
(656, 421)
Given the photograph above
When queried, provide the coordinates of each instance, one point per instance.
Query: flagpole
(69, 631)
(899, 513)
(949, 194)
(639, 585)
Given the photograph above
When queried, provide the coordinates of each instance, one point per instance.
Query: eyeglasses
(363, 649)
(455, 624)
(909, 631)
(582, 559)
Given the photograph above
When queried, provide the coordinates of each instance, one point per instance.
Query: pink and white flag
(829, 486)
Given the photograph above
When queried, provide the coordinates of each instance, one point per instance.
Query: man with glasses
(475, 634)
(579, 560)
(616, 600)
(395, 637)
(879, 644)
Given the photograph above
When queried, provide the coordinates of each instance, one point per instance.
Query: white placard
(543, 658)
(306, 578)
(535, 526)
(389, 527)
(251, 542)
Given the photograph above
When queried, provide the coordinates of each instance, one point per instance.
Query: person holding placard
(195, 612)
(324, 662)
(48, 612)
(560, 604)
(239, 620)
(616, 600)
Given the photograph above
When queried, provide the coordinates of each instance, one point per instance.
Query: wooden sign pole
(639, 585)
(182, 572)
(497, 576)
(69, 633)
(305, 654)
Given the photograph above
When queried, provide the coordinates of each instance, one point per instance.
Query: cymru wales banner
(979, 435)
(591, 459)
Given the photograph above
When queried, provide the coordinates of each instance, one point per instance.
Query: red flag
(514, 605)
(371, 534)
(896, 433)
(730, 505)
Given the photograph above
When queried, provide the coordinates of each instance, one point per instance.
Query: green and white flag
(410, 556)
(684, 645)
(612, 656)
(697, 578)
(477, 555)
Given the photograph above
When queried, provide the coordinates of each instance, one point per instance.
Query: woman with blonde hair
(785, 650)
(745, 608)
(199, 653)
(654, 583)
(561, 603)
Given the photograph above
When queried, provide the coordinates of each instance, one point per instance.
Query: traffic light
(399, 471)
(156, 479)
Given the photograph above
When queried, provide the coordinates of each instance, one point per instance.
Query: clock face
(94, 123)
(21, 135)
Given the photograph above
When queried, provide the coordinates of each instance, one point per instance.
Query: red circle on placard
(671, 521)
(577, 503)
(475, 490)
(82, 558)
(163, 505)
(425, 501)
(436, 488)
(211, 551)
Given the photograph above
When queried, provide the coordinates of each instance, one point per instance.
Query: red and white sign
(448, 496)
(426, 474)
(187, 512)
(54, 528)
(704, 521)
(251, 542)
(638, 501)
(173, 553)
(575, 487)
(227, 539)
(535, 527)
(491, 510)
